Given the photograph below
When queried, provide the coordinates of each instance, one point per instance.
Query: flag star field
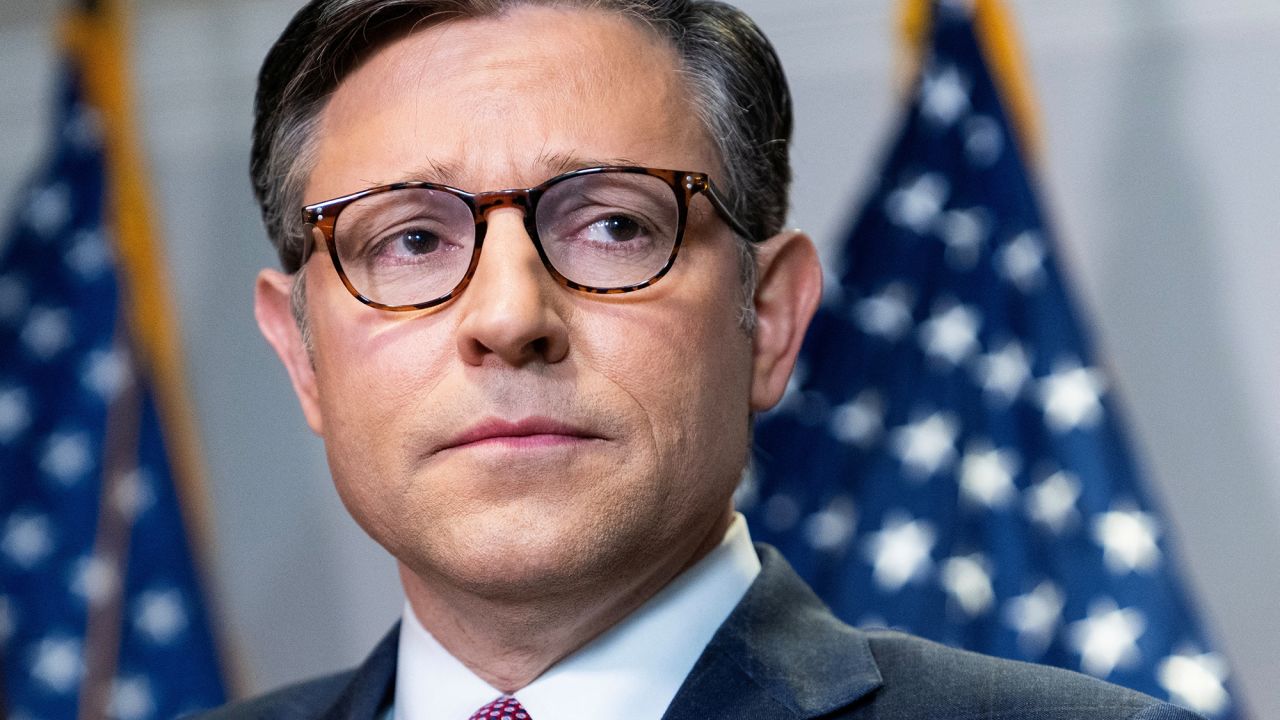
(96, 578)
(949, 409)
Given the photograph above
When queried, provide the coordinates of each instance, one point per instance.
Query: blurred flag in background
(101, 609)
(948, 459)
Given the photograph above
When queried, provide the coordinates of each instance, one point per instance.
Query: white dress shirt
(630, 672)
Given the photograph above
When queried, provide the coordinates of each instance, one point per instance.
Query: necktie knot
(503, 708)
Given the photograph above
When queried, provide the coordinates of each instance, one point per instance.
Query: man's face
(639, 402)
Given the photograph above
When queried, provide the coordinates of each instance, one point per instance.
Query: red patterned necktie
(504, 708)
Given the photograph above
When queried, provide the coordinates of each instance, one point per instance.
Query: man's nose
(512, 308)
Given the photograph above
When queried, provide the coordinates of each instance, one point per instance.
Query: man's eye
(406, 245)
(416, 242)
(615, 229)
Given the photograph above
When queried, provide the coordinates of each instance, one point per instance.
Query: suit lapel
(780, 654)
(370, 690)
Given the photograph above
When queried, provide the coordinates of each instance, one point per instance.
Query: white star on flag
(899, 553)
(106, 373)
(927, 445)
(951, 334)
(1005, 372)
(886, 314)
(1072, 397)
(831, 528)
(57, 665)
(1052, 501)
(944, 95)
(94, 579)
(1196, 681)
(132, 698)
(967, 579)
(89, 255)
(1021, 261)
(964, 232)
(66, 457)
(781, 512)
(916, 205)
(986, 475)
(47, 332)
(15, 413)
(160, 615)
(28, 539)
(1128, 540)
(1035, 617)
(49, 209)
(1107, 638)
(859, 422)
(132, 494)
(983, 141)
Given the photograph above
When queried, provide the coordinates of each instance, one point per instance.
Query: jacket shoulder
(361, 693)
(926, 679)
(307, 699)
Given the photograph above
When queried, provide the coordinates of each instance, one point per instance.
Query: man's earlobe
(787, 294)
(272, 306)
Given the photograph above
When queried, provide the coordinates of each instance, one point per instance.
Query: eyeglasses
(603, 230)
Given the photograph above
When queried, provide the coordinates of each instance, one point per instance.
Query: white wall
(1162, 171)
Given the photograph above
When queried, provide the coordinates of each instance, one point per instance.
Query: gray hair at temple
(736, 85)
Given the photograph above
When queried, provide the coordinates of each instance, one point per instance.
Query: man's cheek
(397, 374)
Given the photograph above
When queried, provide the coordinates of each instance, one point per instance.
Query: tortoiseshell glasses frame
(321, 220)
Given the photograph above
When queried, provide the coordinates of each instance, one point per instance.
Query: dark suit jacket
(782, 655)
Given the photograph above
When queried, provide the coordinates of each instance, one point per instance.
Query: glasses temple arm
(722, 206)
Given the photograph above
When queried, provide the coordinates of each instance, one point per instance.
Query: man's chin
(506, 559)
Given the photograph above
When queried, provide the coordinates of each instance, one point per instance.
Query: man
(547, 434)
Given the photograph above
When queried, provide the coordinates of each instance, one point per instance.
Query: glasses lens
(609, 230)
(407, 246)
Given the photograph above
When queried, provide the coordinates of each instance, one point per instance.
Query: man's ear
(788, 291)
(272, 298)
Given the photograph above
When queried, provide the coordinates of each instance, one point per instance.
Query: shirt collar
(630, 672)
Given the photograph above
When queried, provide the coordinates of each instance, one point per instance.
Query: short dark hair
(733, 74)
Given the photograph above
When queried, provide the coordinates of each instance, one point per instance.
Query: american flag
(948, 459)
(101, 613)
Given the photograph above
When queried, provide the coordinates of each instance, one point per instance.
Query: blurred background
(1160, 171)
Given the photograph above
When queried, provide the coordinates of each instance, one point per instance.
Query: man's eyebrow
(448, 173)
(436, 171)
(561, 162)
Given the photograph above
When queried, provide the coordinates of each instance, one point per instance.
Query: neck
(509, 643)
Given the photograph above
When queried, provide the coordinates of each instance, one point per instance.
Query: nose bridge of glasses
(498, 199)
